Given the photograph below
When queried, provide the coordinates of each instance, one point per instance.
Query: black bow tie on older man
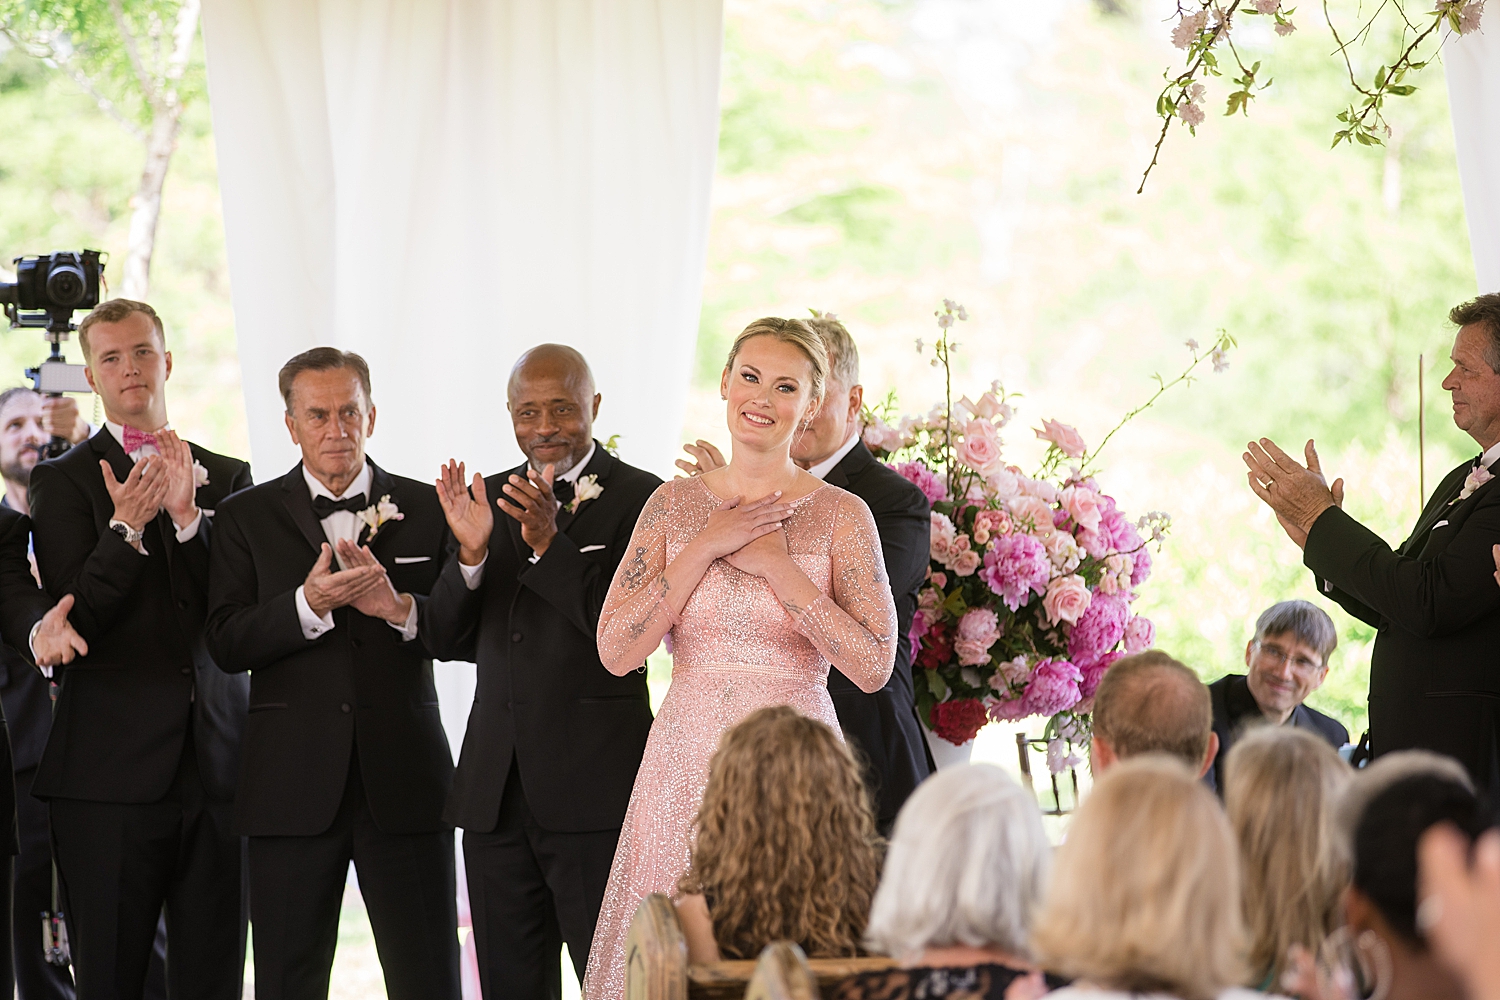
(562, 489)
(327, 506)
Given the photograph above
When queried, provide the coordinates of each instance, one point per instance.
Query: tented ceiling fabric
(440, 184)
(1473, 67)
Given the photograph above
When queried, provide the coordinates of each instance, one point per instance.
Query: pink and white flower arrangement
(1029, 590)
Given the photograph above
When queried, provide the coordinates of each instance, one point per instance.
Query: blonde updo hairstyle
(801, 336)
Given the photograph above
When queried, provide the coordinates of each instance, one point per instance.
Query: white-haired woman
(966, 869)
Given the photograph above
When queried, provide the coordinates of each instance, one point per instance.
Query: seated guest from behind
(1285, 662)
(1145, 891)
(786, 848)
(1388, 808)
(966, 870)
(1151, 703)
(1284, 787)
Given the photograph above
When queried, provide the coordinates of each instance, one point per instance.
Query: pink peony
(1053, 688)
(1082, 505)
(1092, 674)
(1140, 633)
(980, 624)
(965, 562)
(1067, 598)
(1140, 569)
(933, 488)
(1008, 709)
(1003, 483)
(1064, 438)
(1031, 515)
(1063, 551)
(1014, 567)
(1098, 630)
(980, 447)
(971, 653)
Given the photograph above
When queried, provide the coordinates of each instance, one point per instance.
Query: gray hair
(1485, 310)
(843, 356)
(1305, 621)
(968, 865)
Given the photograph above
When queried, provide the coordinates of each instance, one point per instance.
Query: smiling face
(768, 385)
(1283, 671)
(1475, 385)
(552, 407)
(330, 418)
(128, 367)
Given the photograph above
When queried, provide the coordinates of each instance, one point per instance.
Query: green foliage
(863, 213)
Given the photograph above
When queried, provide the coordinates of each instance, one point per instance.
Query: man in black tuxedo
(140, 766)
(345, 755)
(1285, 661)
(554, 740)
(882, 726)
(28, 421)
(1433, 682)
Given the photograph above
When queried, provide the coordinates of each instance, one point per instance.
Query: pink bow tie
(132, 439)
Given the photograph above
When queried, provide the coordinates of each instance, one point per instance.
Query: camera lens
(65, 283)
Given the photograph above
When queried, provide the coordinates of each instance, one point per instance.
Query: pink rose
(966, 562)
(1067, 598)
(939, 579)
(943, 537)
(1063, 551)
(1031, 515)
(1003, 483)
(980, 624)
(1082, 505)
(1140, 634)
(971, 653)
(1064, 438)
(980, 447)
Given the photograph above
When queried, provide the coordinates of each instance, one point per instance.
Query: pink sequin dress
(735, 649)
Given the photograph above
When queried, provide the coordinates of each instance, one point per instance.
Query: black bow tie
(563, 490)
(325, 506)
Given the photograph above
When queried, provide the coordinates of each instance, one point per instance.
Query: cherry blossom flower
(1284, 27)
(1188, 29)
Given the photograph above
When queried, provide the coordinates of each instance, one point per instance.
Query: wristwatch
(126, 532)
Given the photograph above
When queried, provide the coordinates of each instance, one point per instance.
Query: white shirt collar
(1490, 455)
(823, 468)
(572, 474)
(360, 485)
(118, 430)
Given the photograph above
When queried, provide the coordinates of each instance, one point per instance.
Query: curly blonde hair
(786, 847)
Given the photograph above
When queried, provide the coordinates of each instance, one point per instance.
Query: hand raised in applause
(531, 502)
(181, 500)
(467, 509)
(326, 590)
(55, 640)
(1298, 495)
(706, 458)
(140, 496)
(734, 524)
(381, 600)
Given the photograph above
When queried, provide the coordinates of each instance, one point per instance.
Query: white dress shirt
(1490, 455)
(823, 468)
(184, 533)
(342, 525)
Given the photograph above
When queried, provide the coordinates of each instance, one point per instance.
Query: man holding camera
(140, 767)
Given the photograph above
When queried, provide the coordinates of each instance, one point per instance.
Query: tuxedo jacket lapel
(298, 500)
(1438, 508)
(382, 484)
(599, 466)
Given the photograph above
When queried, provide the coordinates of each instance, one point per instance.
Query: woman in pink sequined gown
(760, 599)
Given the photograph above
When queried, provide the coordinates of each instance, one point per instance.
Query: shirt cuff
(408, 629)
(191, 531)
(474, 575)
(31, 644)
(312, 626)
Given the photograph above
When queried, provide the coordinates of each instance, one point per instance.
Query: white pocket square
(408, 560)
(1438, 525)
(591, 548)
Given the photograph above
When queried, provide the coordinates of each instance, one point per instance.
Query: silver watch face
(123, 530)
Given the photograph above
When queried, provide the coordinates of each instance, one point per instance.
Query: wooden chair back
(655, 952)
(1062, 801)
(782, 973)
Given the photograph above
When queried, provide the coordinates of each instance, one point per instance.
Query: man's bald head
(553, 403)
(1151, 703)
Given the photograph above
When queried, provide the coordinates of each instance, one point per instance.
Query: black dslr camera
(47, 291)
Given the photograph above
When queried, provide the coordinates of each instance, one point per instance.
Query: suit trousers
(120, 864)
(408, 885)
(36, 978)
(531, 890)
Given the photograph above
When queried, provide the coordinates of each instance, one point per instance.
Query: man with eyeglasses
(1285, 662)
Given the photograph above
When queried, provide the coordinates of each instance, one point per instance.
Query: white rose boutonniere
(200, 475)
(377, 514)
(587, 488)
(1473, 481)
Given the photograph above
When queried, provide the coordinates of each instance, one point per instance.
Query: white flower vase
(945, 754)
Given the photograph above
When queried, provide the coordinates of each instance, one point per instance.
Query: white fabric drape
(440, 184)
(1473, 67)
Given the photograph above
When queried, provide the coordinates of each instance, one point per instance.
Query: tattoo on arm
(635, 571)
(795, 610)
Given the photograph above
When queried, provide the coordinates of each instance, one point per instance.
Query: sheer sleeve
(636, 615)
(855, 629)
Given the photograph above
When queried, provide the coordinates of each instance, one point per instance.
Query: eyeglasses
(1277, 655)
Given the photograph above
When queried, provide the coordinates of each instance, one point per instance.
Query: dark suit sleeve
(242, 632)
(98, 568)
(573, 583)
(1427, 597)
(22, 603)
(194, 552)
(904, 521)
(1348, 602)
(448, 620)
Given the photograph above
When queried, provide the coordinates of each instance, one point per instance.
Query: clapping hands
(55, 640)
(1297, 494)
(467, 509)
